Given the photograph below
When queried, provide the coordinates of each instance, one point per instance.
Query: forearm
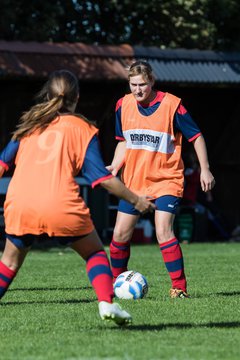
(119, 156)
(206, 178)
(201, 151)
(116, 187)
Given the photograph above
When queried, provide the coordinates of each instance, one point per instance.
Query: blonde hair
(143, 68)
(61, 91)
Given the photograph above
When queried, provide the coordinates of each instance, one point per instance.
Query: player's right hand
(144, 205)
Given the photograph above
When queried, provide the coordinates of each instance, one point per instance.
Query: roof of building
(105, 62)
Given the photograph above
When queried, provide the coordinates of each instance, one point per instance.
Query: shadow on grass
(52, 289)
(55, 302)
(182, 326)
(211, 294)
(228, 293)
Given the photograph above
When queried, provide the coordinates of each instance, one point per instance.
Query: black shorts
(24, 241)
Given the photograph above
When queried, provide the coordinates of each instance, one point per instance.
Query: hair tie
(61, 95)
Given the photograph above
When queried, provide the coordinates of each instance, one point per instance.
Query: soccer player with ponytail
(50, 146)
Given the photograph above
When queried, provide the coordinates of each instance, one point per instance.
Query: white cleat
(114, 312)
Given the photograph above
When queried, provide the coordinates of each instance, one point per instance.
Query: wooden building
(208, 83)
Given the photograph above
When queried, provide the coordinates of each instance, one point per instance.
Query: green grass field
(50, 311)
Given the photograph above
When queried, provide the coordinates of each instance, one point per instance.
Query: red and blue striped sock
(173, 258)
(100, 275)
(6, 277)
(119, 255)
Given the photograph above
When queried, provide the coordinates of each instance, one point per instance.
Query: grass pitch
(50, 311)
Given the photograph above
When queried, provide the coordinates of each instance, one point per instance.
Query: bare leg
(88, 245)
(12, 256)
(124, 227)
(164, 226)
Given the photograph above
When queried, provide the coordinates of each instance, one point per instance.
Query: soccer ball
(130, 285)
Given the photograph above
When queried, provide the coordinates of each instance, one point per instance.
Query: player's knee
(122, 235)
(164, 235)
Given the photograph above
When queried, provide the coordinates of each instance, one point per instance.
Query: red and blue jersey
(182, 121)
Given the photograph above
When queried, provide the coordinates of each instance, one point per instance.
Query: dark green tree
(202, 24)
(224, 15)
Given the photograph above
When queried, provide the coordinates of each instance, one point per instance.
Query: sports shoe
(114, 312)
(178, 293)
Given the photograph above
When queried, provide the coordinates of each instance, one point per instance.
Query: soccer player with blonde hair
(149, 126)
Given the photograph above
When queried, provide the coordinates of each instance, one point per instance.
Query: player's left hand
(207, 180)
(112, 170)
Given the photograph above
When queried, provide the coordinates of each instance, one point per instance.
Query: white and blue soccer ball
(130, 285)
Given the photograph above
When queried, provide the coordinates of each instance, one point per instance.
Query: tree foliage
(202, 24)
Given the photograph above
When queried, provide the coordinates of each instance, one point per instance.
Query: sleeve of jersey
(93, 169)
(8, 154)
(118, 123)
(184, 123)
